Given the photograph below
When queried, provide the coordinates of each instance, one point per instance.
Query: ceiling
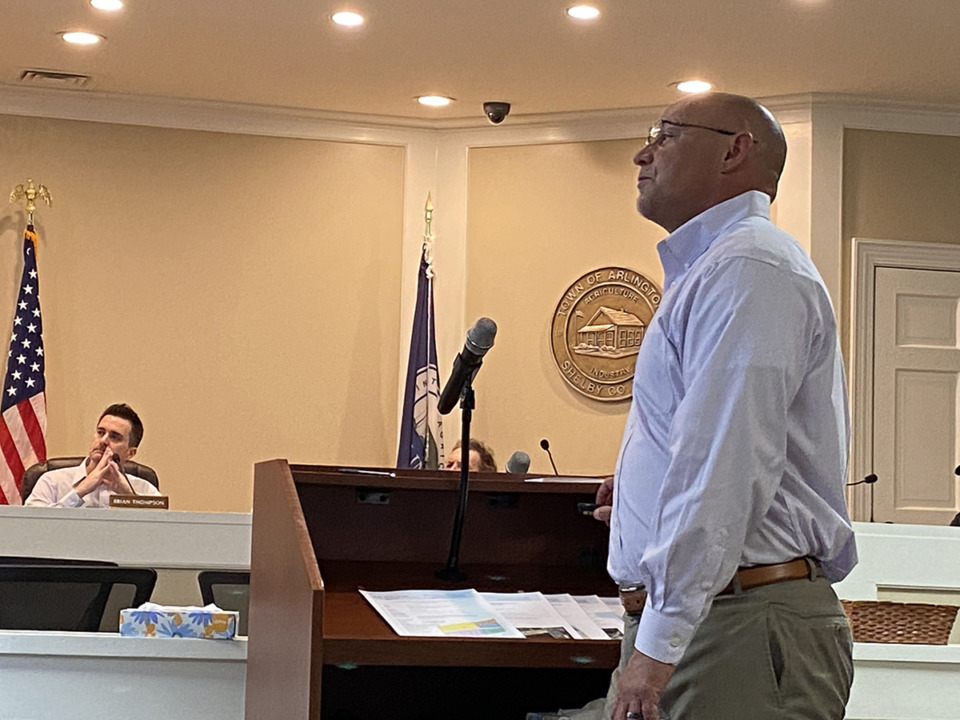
(287, 53)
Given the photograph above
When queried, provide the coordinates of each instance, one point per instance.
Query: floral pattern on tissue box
(151, 620)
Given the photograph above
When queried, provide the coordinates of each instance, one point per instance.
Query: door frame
(866, 257)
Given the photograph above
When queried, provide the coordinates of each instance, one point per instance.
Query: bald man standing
(729, 522)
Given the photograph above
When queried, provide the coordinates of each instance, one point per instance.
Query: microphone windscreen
(545, 444)
(519, 462)
(480, 337)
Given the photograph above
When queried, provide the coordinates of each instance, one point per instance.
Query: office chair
(33, 473)
(69, 597)
(228, 591)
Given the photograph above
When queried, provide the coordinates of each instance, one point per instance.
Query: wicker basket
(894, 622)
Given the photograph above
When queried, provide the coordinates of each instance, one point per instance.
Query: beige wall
(539, 217)
(240, 292)
(898, 186)
(901, 186)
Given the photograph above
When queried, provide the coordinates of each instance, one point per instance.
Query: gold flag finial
(428, 236)
(30, 193)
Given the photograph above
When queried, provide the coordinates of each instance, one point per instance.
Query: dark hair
(956, 521)
(487, 462)
(125, 412)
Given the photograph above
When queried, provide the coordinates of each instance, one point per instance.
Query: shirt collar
(683, 246)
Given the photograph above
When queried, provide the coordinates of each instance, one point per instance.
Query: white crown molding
(217, 116)
(209, 115)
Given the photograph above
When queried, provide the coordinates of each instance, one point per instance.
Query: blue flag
(421, 430)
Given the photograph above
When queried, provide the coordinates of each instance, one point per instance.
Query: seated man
(481, 457)
(99, 476)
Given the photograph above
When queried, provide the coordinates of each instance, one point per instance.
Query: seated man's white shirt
(56, 489)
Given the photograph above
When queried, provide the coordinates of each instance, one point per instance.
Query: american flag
(23, 428)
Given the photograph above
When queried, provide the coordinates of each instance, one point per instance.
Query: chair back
(33, 473)
(228, 590)
(70, 597)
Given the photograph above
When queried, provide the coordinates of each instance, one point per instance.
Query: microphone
(467, 363)
(545, 444)
(519, 462)
(957, 471)
(116, 459)
(868, 480)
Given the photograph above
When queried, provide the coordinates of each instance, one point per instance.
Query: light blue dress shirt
(735, 448)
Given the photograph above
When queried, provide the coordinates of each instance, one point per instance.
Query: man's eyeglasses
(655, 136)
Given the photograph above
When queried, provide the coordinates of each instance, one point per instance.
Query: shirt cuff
(663, 637)
(71, 499)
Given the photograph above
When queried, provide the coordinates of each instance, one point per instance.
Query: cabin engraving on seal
(597, 330)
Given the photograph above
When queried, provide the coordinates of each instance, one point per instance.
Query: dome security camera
(496, 112)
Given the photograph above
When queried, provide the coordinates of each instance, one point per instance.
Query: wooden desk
(319, 535)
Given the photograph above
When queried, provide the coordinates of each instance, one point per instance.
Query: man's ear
(738, 152)
(131, 452)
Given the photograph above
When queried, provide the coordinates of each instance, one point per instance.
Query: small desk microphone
(545, 444)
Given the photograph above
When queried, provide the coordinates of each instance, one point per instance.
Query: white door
(916, 366)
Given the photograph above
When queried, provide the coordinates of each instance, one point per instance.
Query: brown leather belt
(633, 599)
(759, 575)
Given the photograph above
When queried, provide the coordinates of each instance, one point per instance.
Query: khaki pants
(781, 651)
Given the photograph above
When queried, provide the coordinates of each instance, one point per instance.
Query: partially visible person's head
(704, 150)
(119, 430)
(481, 457)
(956, 521)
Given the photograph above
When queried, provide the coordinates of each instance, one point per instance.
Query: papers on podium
(440, 613)
(571, 611)
(532, 614)
(467, 613)
(605, 612)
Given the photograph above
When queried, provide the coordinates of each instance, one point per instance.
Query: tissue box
(152, 620)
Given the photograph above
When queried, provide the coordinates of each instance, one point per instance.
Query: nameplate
(140, 502)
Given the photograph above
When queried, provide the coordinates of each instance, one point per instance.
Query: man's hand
(640, 686)
(105, 473)
(604, 500)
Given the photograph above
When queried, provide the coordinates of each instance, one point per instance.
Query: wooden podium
(320, 533)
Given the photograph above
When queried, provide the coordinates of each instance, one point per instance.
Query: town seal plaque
(597, 330)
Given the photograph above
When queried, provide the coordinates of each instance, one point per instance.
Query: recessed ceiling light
(81, 38)
(583, 12)
(694, 86)
(108, 5)
(434, 100)
(348, 19)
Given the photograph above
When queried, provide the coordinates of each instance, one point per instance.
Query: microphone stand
(870, 480)
(452, 572)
